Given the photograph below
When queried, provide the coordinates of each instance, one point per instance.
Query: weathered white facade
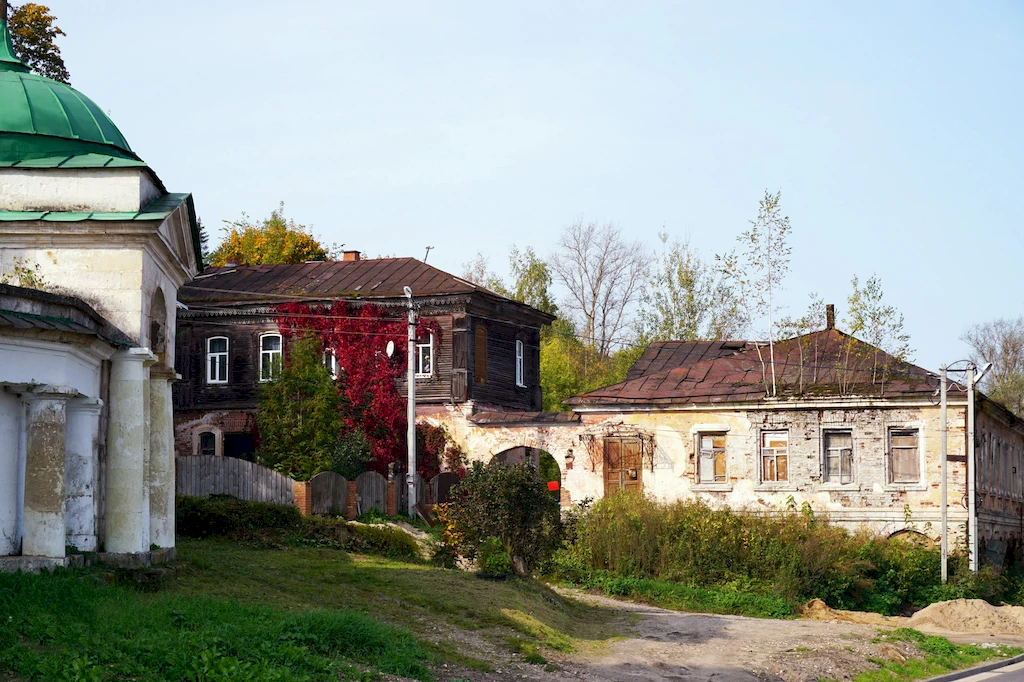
(86, 437)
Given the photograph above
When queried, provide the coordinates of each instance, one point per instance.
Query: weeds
(764, 564)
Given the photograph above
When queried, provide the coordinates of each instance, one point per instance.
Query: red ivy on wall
(359, 336)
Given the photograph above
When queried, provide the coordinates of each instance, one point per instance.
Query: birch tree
(685, 298)
(603, 275)
(756, 270)
(1001, 342)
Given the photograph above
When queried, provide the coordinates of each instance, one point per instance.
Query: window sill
(851, 486)
(906, 487)
(424, 376)
(782, 487)
(711, 487)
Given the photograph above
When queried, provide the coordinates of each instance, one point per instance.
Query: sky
(894, 131)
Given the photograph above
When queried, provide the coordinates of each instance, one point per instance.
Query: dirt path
(670, 645)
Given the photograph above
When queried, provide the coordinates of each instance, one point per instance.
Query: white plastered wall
(87, 189)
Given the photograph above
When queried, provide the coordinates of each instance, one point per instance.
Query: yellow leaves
(274, 240)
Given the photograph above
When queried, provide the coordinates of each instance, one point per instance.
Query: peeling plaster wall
(869, 501)
(10, 418)
(87, 189)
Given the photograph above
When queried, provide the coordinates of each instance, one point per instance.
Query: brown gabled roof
(365, 279)
(663, 355)
(823, 363)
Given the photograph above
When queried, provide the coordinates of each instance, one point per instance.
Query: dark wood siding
(501, 388)
(437, 388)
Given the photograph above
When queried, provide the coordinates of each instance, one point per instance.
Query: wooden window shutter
(480, 354)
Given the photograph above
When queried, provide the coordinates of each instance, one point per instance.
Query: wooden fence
(205, 475)
(373, 492)
(330, 493)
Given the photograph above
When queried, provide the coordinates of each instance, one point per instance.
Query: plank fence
(205, 475)
(373, 492)
(330, 493)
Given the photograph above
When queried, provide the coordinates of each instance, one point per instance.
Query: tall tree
(531, 280)
(478, 271)
(685, 298)
(34, 33)
(300, 415)
(603, 275)
(757, 270)
(274, 240)
(1001, 342)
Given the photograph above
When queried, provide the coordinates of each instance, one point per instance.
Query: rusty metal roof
(827, 363)
(663, 355)
(364, 279)
(520, 418)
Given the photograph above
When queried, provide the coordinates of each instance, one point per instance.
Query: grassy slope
(522, 614)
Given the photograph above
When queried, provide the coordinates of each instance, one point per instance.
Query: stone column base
(35, 564)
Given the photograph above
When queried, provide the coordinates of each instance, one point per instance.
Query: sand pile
(819, 610)
(971, 615)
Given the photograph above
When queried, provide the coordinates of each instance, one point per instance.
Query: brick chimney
(349, 255)
(231, 263)
(830, 316)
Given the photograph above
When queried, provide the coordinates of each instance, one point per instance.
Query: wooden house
(485, 355)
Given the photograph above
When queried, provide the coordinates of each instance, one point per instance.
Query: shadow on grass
(413, 595)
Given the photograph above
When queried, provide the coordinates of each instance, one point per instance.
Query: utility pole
(945, 467)
(972, 468)
(410, 476)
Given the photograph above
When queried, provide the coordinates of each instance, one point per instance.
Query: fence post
(351, 501)
(392, 499)
(303, 497)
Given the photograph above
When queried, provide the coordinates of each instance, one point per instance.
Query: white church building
(92, 251)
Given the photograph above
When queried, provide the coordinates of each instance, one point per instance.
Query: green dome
(46, 123)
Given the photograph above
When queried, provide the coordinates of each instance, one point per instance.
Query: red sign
(552, 485)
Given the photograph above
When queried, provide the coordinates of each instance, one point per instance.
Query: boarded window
(904, 459)
(838, 457)
(711, 465)
(480, 354)
(207, 443)
(775, 456)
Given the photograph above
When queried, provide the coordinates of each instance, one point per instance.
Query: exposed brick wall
(187, 424)
(304, 497)
(351, 503)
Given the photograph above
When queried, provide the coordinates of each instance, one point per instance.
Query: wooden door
(623, 465)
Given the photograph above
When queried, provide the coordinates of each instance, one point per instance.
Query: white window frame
(850, 477)
(919, 433)
(331, 363)
(520, 363)
(701, 456)
(264, 354)
(429, 345)
(761, 457)
(221, 357)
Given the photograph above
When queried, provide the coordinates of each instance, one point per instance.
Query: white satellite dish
(390, 349)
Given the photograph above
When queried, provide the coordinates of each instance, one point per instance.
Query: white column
(146, 396)
(44, 474)
(11, 410)
(81, 473)
(161, 457)
(126, 452)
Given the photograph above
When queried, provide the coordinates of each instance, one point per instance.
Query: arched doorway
(542, 461)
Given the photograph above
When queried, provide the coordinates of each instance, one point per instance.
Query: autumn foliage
(271, 241)
(358, 335)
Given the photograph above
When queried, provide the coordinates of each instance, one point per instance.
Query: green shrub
(788, 554)
(351, 454)
(492, 559)
(508, 502)
(199, 517)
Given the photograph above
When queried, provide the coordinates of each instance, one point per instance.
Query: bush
(199, 517)
(789, 554)
(351, 455)
(508, 502)
(492, 559)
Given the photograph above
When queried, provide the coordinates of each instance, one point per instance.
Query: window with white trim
(520, 364)
(270, 356)
(774, 456)
(331, 363)
(711, 459)
(217, 360)
(425, 357)
(838, 446)
(904, 456)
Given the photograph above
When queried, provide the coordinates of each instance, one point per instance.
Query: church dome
(45, 123)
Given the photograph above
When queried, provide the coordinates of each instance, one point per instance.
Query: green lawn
(232, 612)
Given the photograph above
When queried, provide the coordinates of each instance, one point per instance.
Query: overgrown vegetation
(509, 504)
(940, 656)
(268, 525)
(687, 555)
(72, 626)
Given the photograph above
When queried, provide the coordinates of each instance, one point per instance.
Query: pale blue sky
(894, 130)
